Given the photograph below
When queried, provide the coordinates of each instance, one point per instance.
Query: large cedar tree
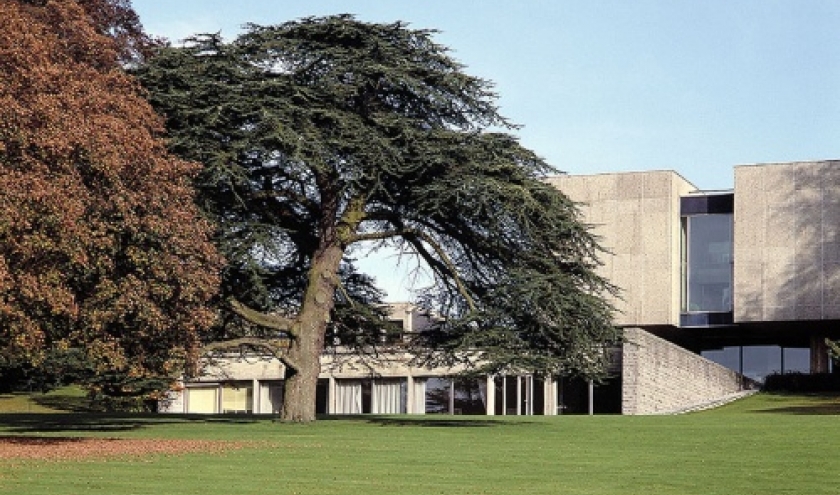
(324, 134)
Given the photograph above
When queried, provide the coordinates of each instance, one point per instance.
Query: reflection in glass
(519, 395)
(762, 360)
(456, 396)
(727, 356)
(796, 360)
(470, 396)
(438, 395)
(708, 263)
(758, 361)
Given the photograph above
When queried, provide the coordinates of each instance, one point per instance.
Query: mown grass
(767, 444)
(68, 399)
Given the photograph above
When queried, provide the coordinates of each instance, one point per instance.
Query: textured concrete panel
(831, 283)
(630, 186)
(779, 313)
(787, 219)
(808, 176)
(809, 312)
(831, 311)
(638, 221)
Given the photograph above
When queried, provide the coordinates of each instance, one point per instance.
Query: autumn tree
(105, 260)
(322, 135)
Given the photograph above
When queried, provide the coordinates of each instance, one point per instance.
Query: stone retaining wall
(659, 376)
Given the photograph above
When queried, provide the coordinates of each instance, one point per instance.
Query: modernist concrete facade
(348, 385)
(637, 219)
(748, 277)
(718, 288)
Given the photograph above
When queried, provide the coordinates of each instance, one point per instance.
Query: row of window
(758, 361)
(511, 395)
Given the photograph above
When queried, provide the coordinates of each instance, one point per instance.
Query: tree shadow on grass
(68, 403)
(431, 421)
(91, 422)
(815, 409)
(39, 441)
(813, 404)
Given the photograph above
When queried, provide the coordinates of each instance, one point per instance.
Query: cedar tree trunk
(308, 344)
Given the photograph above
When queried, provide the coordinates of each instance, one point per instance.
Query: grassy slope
(763, 445)
(62, 400)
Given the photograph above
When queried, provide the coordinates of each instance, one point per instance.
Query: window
(202, 400)
(237, 398)
(378, 396)
(456, 396)
(707, 263)
(758, 361)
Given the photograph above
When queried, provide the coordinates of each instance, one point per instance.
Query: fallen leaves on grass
(76, 449)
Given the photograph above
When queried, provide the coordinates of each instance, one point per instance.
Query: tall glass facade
(707, 263)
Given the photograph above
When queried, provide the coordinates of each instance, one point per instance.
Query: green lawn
(67, 399)
(767, 444)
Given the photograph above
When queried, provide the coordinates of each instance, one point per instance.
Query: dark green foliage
(329, 133)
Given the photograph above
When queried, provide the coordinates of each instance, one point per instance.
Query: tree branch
(377, 236)
(275, 322)
(442, 264)
(276, 347)
(345, 293)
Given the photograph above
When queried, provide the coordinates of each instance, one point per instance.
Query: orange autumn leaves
(101, 244)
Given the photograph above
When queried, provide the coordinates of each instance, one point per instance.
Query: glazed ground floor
(650, 375)
(497, 395)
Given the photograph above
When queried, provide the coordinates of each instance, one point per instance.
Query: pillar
(819, 354)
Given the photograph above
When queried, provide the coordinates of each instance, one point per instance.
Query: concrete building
(718, 289)
(350, 385)
(748, 277)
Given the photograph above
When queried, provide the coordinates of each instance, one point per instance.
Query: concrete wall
(235, 367)
(385, 365)
(659, 376)
(412, 318)
(787, 242)
(637, 218)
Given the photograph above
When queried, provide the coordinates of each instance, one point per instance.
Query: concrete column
(331, 395)
(409, 400)
(591, 397)
(529, 401)
(256, 397)
(504, 395)
(819, 354)
(491, 396)
(518, 395)
(550, 401)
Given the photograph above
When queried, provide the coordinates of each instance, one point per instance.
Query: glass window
(727, 356)
(322, 396)
(237, 398)
(470, 396)
(762, 360)
(270, 396)
(388, 396)
(438, 395)
(202, 400)
(348, 396)
(707, 273)
(796, 360)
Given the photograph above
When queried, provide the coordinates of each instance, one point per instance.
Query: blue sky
(602, 86)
